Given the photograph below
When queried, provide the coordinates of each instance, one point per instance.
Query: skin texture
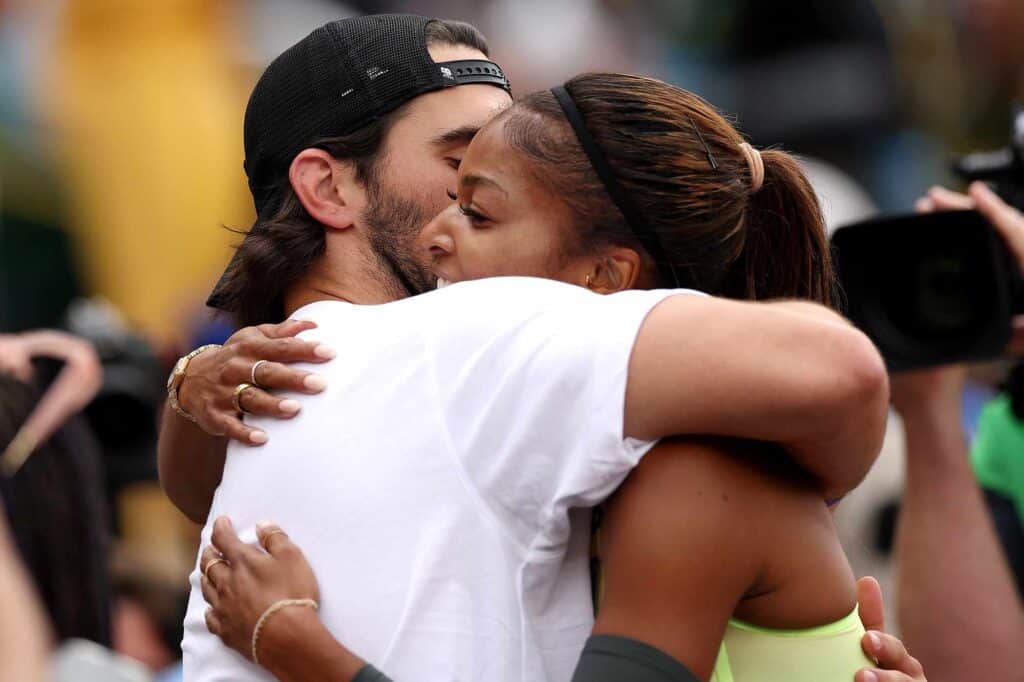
(958, 607)
(24, 636)
(456, 241)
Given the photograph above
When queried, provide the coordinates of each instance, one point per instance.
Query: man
(428, 489)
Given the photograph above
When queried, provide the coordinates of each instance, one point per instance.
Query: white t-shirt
(441, 485)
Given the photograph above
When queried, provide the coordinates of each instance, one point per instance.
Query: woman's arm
(689, 533)
(293, 644)
(792, 373)
(191, 455)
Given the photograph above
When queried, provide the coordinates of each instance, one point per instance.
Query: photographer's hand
(956, 605)
(1008, 222)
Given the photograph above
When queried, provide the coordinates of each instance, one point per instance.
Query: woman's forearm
(296, 647)
(191, 463)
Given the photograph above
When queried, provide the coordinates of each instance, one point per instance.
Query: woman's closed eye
(476, 218)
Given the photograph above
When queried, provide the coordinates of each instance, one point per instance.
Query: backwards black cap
(339, 78)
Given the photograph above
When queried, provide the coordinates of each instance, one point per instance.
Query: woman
(618, 182)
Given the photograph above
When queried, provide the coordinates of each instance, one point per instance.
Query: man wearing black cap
(431, 492)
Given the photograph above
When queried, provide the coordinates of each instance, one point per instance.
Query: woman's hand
(207, 392)
(240, 582)
(894, 663)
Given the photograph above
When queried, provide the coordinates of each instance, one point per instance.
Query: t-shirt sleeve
(531, 392)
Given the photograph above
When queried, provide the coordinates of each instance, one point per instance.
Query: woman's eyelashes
(476, 218)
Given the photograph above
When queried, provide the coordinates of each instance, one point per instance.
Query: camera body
(928, 290)
(939, 288)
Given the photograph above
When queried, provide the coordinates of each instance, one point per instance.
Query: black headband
(647, 236)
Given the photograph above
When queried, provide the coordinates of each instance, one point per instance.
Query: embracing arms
(789, 372)
(191, 455)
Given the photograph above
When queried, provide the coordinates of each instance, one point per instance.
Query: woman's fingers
(286, 328)
(273, 539)
(869, 604)
(258, 402)
(892, 656)
(227, 542)
(885, 676)
(209, 591)
(258, 347)
(235, 429)
(213, 623)
(281, 377)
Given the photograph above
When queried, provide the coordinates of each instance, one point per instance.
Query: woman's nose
(435, 239)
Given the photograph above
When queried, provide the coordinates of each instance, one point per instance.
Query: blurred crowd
(121, 190)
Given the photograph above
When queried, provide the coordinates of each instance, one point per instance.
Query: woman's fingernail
(325, 352)
(289, 406)
(876, 642)
(869, 677)
(258, 437)
(315, 382)
(263, 525)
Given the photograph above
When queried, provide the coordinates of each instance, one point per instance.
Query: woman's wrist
(295, 645)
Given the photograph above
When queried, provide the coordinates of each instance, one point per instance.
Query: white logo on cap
(447, 73)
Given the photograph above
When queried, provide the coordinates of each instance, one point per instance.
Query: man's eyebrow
(460, 135)
(477, 180)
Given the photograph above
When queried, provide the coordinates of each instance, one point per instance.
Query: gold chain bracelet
(271, 610)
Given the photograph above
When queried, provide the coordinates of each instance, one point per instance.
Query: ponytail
(785, 252)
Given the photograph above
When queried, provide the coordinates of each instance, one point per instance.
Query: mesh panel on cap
(340, 77)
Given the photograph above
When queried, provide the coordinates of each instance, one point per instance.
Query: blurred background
(121, 174)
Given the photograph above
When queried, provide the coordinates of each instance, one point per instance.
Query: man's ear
(618, 270)
(327, 188)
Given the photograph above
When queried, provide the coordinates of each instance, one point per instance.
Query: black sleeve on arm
(1010, 531)
(370, 674)
(610, 658)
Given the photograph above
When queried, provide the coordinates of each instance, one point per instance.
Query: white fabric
(439, 485)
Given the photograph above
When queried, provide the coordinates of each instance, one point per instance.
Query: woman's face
(503, 220)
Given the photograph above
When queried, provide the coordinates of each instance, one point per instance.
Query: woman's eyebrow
(477, 180)
(461, 135)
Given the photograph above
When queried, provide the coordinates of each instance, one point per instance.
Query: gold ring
(211, 563)
(236, 398)
(252, 374)
(266, 538)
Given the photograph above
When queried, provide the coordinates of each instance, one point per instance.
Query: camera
(939, 288)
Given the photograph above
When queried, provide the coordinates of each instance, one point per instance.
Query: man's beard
(393, 223)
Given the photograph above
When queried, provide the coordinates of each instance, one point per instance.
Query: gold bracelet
(178, 376)
(271, 610)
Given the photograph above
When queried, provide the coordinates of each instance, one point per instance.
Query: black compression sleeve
(610, 658)
(370, 674)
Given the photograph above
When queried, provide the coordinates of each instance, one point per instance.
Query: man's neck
(361, 285)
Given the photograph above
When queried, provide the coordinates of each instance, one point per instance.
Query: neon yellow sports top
(823, 654)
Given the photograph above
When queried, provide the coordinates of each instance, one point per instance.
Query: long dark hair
(724, 237)
(58, 516)
(284, 244)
